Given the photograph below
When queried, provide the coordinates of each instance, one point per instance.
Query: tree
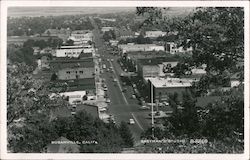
(216, 34)
(28, 110)
(126, 135)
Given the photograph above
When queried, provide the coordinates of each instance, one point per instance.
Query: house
(106, 29)
(173, 48)
(154, 34)
(71, 69)
(62, 145)
(47, 50)
(43, 62)
(140, 47)
(36, 50)
(163, 87)
(113, 42)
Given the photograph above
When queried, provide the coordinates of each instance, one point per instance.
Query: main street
(122, 105)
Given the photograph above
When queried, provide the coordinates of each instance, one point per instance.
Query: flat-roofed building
(163, 87)
(81, 36)
(154, 34)
(153, 67)
(70, 69)
(140, 47)
(69, 51)
(106, 29)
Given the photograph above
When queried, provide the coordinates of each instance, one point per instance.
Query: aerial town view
(125, 80)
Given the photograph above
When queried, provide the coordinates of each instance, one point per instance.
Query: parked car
(108, 100)
(144, 107)
(131, 121)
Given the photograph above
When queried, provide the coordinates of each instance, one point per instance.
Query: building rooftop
(156, 60)
(81, 84)
(64, 62)
(170, 82)
(71, 47)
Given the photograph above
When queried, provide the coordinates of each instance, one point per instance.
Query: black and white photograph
(126, 79)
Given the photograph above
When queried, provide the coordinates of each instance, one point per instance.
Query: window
(81, 72)
(68, 72)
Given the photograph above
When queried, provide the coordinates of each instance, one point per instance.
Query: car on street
(112, 60)
(133, 96)
(108, 100)
(115, 80)
(144, 107)
(131, 121)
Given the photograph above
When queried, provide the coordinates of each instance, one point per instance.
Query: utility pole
(152, 109)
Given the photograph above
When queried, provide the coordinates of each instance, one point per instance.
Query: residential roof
(62, 145)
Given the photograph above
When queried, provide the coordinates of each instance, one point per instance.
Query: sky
(57, 11)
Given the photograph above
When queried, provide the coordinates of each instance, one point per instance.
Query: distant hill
(57, 11)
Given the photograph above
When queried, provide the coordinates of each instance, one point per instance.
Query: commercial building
(81, 36)
(69, 51)
(140, 47)
(163, 87)
(153, 67)
(70, 69)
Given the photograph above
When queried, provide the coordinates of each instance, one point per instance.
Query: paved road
(122, 106)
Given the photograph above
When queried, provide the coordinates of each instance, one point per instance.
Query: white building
(154, 34)
(106, 29)
(69, 51)
(81, 36)
(76, 96)
(163, 87)
(140, 47)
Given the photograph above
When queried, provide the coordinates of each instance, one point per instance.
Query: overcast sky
(55, 11)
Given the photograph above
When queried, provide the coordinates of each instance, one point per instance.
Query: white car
(108, 100)
(112, 60)
(115, 80)
(131, 121)
(144, 107)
